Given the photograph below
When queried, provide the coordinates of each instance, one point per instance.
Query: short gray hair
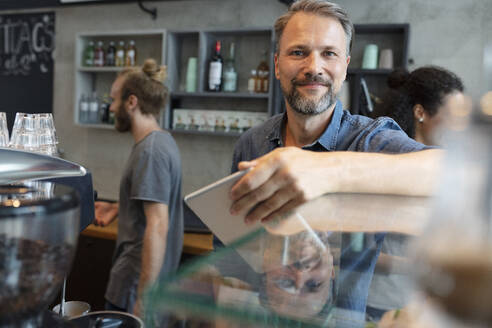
(317, 7)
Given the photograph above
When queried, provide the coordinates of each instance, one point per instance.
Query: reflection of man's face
(311, 63)
(122, 118)
(302, 285)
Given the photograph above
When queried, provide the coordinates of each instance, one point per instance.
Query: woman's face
(430, 129)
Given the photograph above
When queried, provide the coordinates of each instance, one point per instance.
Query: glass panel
(312, 268)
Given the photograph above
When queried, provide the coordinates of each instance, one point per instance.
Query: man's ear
(132, 102)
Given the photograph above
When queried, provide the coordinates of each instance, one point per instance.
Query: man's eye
(297, 52)
(312, 285)
(284, 283)
(329, 53)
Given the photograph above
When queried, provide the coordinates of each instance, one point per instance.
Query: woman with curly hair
(418, 101)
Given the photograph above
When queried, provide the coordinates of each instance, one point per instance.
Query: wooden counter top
(193, 243)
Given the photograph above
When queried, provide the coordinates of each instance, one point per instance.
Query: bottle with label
(263, 72)
(88, 58)
(230, 75)
(111, 54)
(99, 55)
(215, 70)
(94, 109)
(120, 55)
(104, 109)
(252, 81)
(83, 109)
(131, 54)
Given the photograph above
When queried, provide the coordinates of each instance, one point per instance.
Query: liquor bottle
(111, 54)
(83, 109)
(94, 109)
(104, 109)
(230, 75)
(252, 81)
(263, 72)
(99, 55)
(120, 55)
(88, 59)
(215, 70)
(131, 54)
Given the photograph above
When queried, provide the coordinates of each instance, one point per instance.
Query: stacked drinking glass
(34, 132)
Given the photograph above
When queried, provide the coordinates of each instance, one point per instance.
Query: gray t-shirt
(153, 174)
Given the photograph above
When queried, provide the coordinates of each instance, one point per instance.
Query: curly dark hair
(426, 86)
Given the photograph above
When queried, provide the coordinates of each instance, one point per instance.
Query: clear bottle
(120, 55)
(215, 70)
(83, 109)
(94, 109)
(88, 58)
(131, 54)
(111, 54)
(252, 81)
(230, 75)
(99, 55)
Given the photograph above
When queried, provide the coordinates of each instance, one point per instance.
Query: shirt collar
(328, 139)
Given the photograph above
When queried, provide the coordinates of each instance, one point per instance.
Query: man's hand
(279, 181)
(106, 212)
(287, 177)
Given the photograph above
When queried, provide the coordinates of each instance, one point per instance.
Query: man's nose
(300, 279)
(313, 64)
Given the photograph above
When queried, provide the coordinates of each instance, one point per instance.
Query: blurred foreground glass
(298, 272)
(4, 132)
(34, 132)
(454, 256)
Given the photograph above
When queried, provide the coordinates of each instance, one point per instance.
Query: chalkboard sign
(27, 42)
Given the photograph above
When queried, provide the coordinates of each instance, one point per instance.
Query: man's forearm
(413, 174)
(153, 252)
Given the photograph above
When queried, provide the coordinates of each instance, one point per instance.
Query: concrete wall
(450, 33)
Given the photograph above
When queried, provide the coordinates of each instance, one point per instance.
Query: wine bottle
(215, 69)
(111, 54)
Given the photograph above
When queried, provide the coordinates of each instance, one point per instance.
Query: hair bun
(397, 78)
(154, 71)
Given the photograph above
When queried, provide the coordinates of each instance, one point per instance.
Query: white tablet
(212, 204)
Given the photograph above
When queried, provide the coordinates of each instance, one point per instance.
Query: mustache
(312, 79)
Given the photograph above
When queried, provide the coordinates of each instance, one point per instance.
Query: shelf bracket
(151, 11)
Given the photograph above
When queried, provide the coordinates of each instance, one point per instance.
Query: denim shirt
(345, 132)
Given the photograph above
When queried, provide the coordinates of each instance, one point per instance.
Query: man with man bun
(150, 224)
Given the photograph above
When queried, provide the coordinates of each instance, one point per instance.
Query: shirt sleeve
(152, 179)
(385, 136)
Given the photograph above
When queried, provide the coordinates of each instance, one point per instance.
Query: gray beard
(305, 106)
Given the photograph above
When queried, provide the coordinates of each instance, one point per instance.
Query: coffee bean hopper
(39, 226)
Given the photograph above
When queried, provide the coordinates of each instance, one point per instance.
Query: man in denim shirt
(316, 147)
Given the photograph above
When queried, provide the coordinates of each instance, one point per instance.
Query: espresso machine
(39, 227)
